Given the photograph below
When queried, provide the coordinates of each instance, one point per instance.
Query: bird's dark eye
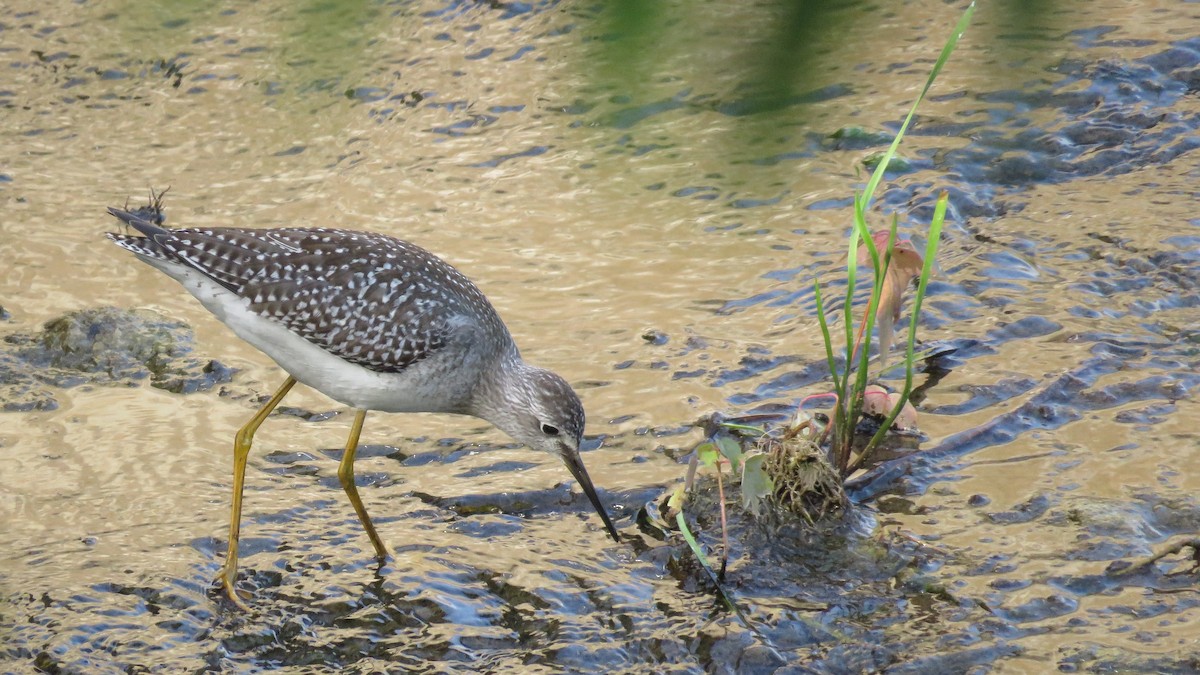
(549, 430)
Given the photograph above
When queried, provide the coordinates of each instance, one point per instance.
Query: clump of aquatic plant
(801, 469)
(895, 264)
(804, 482)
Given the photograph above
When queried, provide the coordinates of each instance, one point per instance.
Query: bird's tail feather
(147, 220)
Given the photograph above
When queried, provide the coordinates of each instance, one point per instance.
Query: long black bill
(575, 466)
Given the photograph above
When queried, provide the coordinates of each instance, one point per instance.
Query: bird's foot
(238, 598)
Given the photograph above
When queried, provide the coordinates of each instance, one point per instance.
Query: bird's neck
(502, 392)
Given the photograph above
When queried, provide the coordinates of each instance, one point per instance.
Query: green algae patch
(102, 346)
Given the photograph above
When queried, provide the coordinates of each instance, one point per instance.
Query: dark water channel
(656, 243)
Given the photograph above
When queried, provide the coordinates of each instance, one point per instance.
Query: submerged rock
(103, 345)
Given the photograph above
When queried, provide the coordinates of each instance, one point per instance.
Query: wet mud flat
(1023, 537)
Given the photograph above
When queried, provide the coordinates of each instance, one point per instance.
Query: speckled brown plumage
(365, 297)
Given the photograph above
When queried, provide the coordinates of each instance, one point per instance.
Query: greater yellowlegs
(371, 321)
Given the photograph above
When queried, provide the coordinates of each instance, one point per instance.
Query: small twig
(912, 538)
(690, 480)
(757, 431)
(823, 394)
(1171, 549)
(795, 431)
(724, 526)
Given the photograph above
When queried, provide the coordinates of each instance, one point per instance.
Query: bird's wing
(361, 296)
(381, 322)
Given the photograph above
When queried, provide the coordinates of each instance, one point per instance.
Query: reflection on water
(655, 244)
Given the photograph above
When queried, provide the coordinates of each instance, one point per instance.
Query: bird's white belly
(333, 376)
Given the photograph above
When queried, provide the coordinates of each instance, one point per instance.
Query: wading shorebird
(370, 321)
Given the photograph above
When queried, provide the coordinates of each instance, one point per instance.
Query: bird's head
(543, 412)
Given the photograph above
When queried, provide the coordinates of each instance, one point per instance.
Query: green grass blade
(843, 419)
(734, 426)
(851, 280)
(947, 49)
(860, 206)
(931, 247)
(828, 339)
(695, 546)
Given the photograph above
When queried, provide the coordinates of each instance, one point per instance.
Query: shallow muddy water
(646, 238)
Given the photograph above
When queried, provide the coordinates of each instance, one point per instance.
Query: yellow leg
(346, 476)
(241, 450)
